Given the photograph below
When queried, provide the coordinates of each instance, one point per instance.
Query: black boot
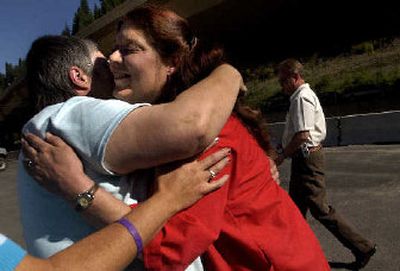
(362, 259)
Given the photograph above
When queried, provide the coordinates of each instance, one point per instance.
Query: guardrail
(372, 128)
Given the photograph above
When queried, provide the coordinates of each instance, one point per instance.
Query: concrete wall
(373, 128)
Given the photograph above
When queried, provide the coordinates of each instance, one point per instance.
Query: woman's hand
(274, 171)
(54, 165)
(185, 183)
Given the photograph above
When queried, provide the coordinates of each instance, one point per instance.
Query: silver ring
(212, 174)
(29, 163)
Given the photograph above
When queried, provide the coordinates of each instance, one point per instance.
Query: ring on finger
(212, 174)
(29, 163)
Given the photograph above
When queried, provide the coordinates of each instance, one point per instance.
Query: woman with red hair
(249, 224)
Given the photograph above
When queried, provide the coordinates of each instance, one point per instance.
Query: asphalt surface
(363, 185)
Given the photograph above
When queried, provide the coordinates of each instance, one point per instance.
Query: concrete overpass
(259, 31)
(218, 19)
(215, 18)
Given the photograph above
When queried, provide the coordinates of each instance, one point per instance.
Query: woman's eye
(127, 51)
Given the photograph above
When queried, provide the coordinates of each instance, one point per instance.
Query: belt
(315, 148)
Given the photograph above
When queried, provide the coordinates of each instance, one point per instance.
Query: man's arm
(298, 139)
(53, 160)
(162, 133)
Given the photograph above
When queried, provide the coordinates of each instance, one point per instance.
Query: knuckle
(203, 189)
(218, 166)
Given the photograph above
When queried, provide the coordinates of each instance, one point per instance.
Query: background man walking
(304, 131)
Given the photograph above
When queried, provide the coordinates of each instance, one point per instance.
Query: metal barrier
(372, 128)
(3, 156)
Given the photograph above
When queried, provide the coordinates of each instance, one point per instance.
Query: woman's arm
(112, 248)
(151, 136)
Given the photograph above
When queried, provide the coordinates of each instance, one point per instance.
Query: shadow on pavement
(340, 265)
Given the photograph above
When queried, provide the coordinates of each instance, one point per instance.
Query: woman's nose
(115, 59)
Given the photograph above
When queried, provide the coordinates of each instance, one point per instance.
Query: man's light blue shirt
(50, 223)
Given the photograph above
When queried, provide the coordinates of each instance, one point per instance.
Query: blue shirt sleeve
(11, 254)
(84, 123)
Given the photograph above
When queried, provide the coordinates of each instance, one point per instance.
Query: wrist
(85, 199)
(167, 203)
(77, 186)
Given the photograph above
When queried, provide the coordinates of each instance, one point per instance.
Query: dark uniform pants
(308, 190)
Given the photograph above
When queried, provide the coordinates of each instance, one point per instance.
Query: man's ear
(81, 80)
(297, 77)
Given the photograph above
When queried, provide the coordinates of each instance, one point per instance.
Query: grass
(377, 69)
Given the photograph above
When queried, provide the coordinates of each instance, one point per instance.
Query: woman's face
(139, 73)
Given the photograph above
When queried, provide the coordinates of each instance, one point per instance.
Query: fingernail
(226, 159)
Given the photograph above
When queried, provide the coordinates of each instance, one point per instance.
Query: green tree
(83, 17)
(21, 68)
(10, 74)
(107, 5)
(75, 23)
(66, 31)
(2, 83)
(13, 72)
(97, 12)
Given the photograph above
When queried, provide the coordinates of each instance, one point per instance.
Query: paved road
(9, 212)
(363, 185)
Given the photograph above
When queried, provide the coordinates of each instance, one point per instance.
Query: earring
(170, 70)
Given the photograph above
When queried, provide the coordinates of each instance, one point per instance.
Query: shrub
(380, 70)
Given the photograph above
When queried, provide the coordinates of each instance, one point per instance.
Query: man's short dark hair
(290, 67)
(48, 63)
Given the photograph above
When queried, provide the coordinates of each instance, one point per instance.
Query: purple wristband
(133, 231)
